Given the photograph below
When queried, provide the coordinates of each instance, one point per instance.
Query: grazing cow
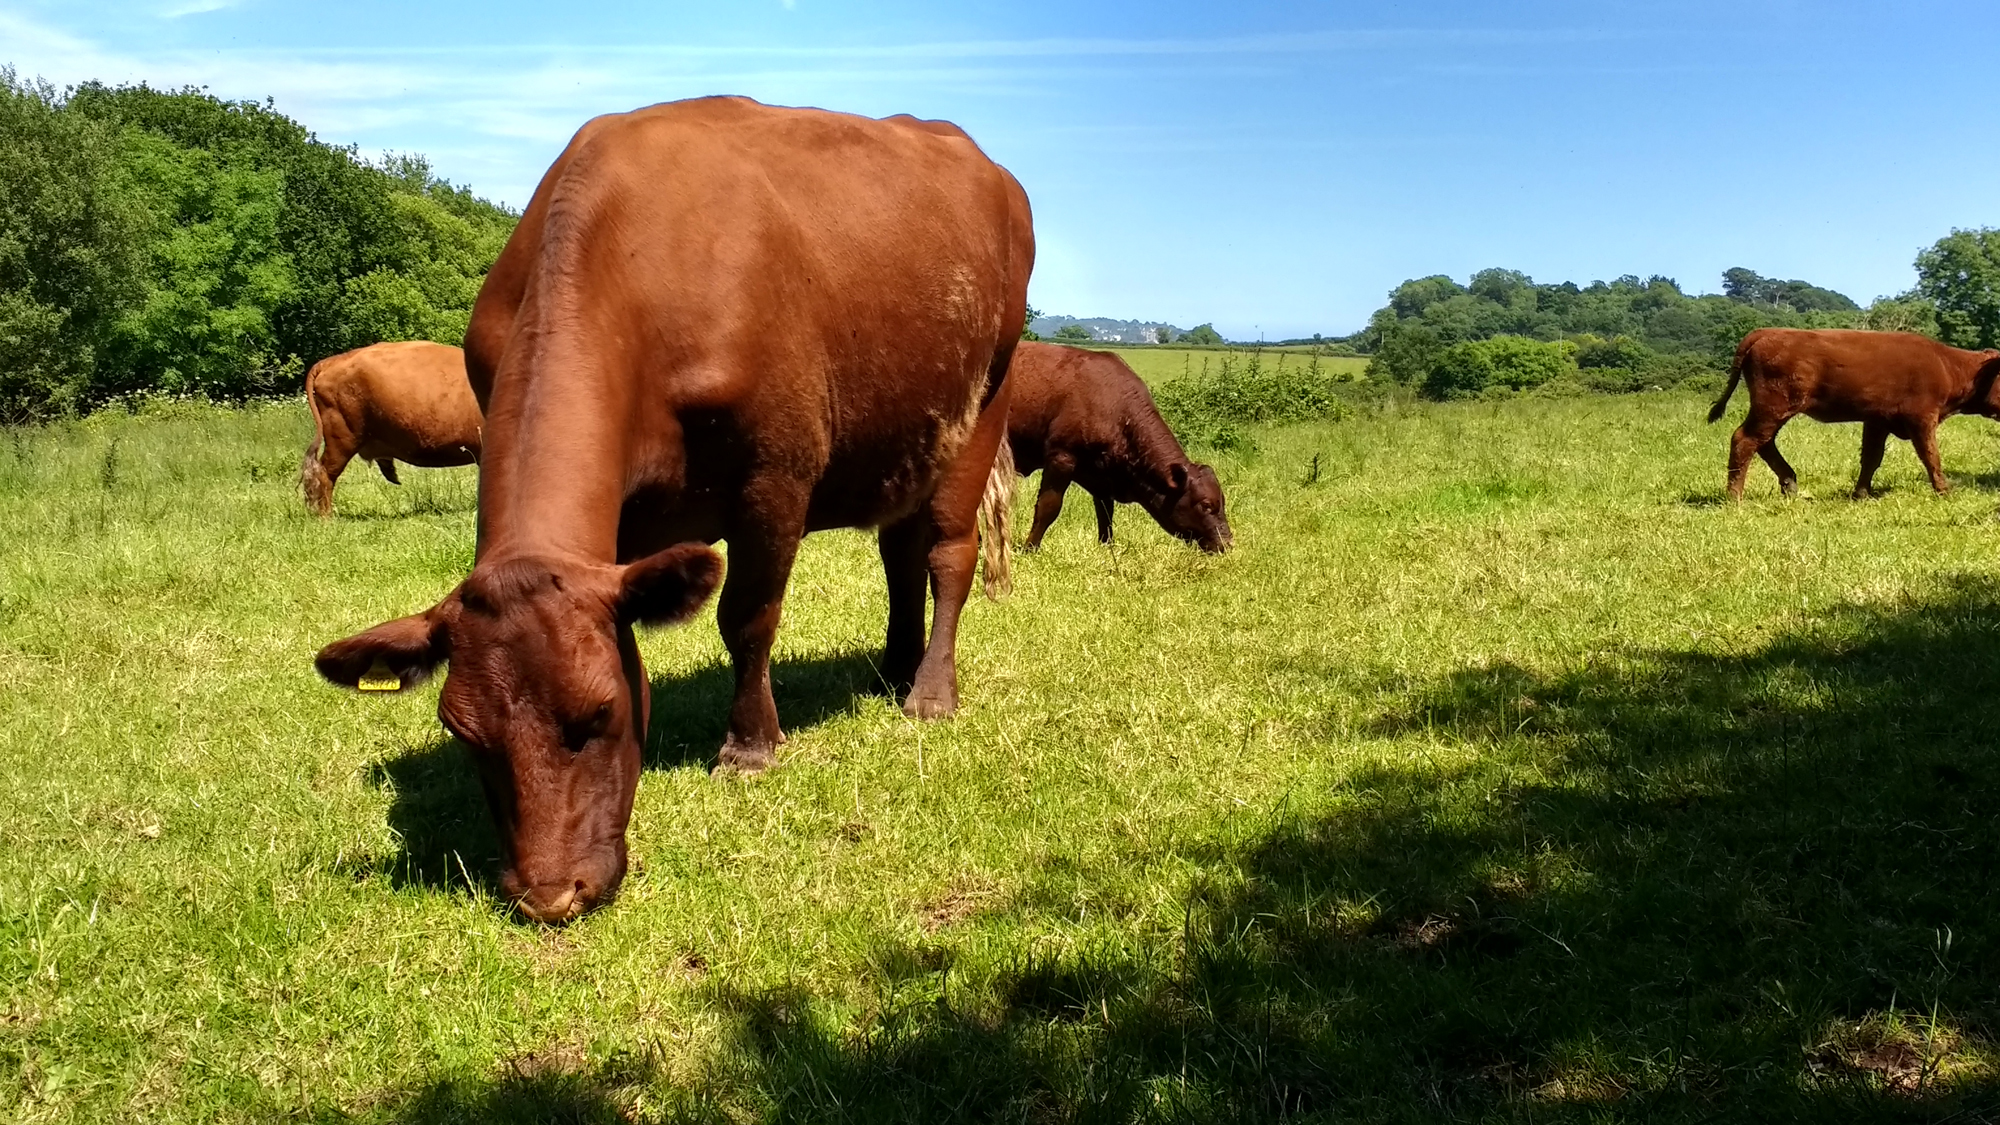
(716, 320)
(1890, 382)
(1083, 416)
(387, 403)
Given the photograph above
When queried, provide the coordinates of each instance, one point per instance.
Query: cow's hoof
(744, 757)
(923, 704)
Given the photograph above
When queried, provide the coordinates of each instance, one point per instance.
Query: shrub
(1209, 406)
(1514, 362)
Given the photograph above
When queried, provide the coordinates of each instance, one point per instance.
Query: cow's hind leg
(905, 548)
(1048, 504)
(1751, 438)
(1788, 481)
(763, 542)
(1874, 439)
(335, 452)
(1105, 509)
(1923, 435)
(953, 557)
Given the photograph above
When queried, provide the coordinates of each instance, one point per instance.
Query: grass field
(1158, 364)
(1501, 772)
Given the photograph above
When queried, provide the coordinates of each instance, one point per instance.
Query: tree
(71, 248)
(1405, 352)
(1960, 275)
(1906, 313)
(1072, 333)
(1750, 287)
(1028, 324)
(1201, 334)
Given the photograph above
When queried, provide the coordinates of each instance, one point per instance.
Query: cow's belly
(881, 474)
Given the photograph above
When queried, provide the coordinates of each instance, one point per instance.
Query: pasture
(1500, 772)
(1158, 364)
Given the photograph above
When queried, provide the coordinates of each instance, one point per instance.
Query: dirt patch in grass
(965, 899)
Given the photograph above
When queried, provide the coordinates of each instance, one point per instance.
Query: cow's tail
(1735, 374)
(996, 517)
(313, 481)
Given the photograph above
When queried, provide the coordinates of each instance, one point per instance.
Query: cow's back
(740, 284)
(1089, 404)
(407, 400)
(1835, 375)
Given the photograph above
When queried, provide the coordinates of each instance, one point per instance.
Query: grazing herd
(720, 320)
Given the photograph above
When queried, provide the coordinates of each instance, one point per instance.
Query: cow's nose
(556, 904)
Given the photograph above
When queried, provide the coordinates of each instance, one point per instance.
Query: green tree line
(1502, 329)
(169, 241)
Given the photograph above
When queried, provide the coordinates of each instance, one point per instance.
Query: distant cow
(1890, 382)
(387, 403)
(1084, 417)
(716, 320)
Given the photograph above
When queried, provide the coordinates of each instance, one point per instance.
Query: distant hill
(1105, 330)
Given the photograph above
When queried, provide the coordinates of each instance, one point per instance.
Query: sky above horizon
(1274, 169)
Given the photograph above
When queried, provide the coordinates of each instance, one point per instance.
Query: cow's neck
(552, 476)
(1152, 451)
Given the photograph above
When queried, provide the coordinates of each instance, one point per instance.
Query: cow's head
(1193, 507)
(1986, 386)
(546, 688)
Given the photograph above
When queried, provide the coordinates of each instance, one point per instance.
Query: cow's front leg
(753, 596)
(1106, 508)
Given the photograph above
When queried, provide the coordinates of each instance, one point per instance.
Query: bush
(1209, 406)
(1514, 362)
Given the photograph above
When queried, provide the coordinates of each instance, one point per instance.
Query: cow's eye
(579, 732)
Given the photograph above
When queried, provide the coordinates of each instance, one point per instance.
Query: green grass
(1501, 772)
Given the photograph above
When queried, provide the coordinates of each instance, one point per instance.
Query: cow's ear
(667, 588)
(393, 655)
(1177, 474)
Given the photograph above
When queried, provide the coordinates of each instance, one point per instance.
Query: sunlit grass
(1500, 771)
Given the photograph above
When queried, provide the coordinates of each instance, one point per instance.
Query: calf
(1890, 382)
(1083, 416)
(387, 403)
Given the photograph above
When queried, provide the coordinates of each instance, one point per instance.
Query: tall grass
(1500, 772)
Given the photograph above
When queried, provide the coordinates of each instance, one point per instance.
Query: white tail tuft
(996, 518)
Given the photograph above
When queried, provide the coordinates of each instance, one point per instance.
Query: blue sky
(1273, 168)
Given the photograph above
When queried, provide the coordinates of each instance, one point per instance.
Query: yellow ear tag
(378, 677)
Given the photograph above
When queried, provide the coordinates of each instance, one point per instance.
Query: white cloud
(196, 7)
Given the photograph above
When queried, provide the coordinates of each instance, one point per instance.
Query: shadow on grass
(1660, 885)
(1664, 885)
(539, 1090)
(439, 812)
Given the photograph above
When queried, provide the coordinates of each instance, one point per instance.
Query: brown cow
(716, 320)
(387, 403)
(1890, 382)
(1084, 416)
